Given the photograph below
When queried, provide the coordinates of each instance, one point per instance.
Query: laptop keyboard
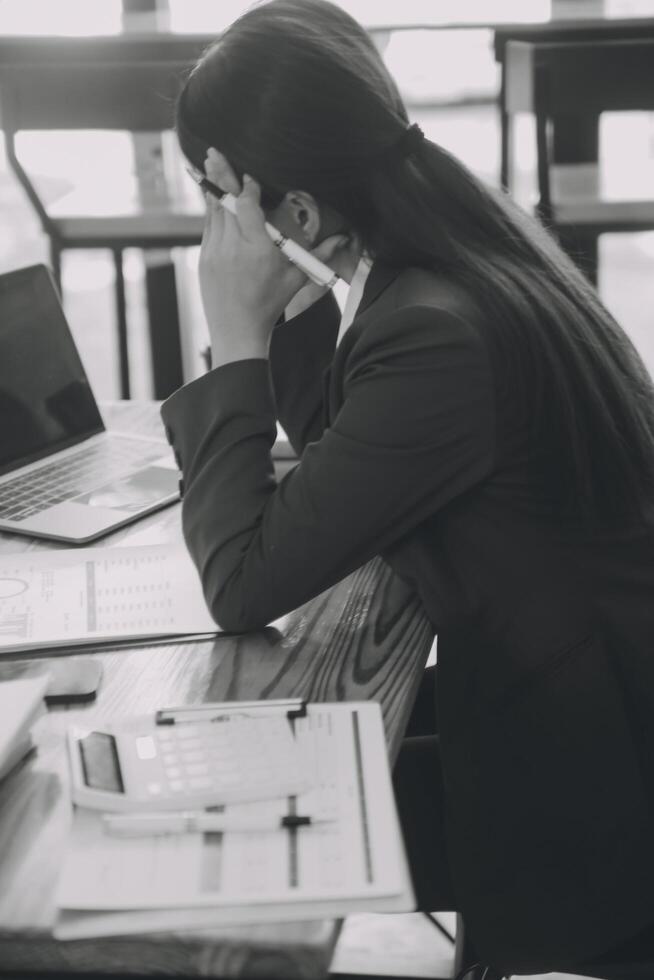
(81, 472)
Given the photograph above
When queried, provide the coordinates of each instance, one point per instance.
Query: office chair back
(128, 83)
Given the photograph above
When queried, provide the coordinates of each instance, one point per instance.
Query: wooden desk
(365, 638)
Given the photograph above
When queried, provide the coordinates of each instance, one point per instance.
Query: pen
(190, 822)
(316, 270)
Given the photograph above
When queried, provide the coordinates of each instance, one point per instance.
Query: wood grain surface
(365, 638)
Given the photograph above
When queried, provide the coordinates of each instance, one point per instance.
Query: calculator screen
(100, 762)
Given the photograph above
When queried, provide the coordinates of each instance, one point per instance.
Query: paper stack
(259, 870)
(21, 702)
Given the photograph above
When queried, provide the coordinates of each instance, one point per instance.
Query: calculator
(141, 765)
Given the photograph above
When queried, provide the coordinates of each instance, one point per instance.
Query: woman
(478, 419)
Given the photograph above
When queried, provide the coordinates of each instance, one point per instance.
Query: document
(21, 702)
(99, 595)
(353, 862)
(403, 945)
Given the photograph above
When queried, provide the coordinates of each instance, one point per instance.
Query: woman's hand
(245, 280)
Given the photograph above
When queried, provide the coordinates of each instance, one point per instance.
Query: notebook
(62, 475)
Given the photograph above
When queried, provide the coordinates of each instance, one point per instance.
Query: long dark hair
(296, 94)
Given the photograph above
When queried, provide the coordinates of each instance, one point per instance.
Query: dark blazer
(414, 445)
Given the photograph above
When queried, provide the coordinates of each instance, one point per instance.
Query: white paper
(21, 700)
(95, 595)
(352, 863)
(392, 946)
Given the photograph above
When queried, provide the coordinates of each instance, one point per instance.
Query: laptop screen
(46, 402)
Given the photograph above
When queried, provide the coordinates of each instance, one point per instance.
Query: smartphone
(73, 680)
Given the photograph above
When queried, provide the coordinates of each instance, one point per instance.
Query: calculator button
(200, 783)
(187, 731)
(197, 769)
(210, 760)
(145, 747)
(227, 779)
(226, 765)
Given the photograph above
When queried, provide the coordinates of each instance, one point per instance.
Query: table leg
(163, 318)
(575, 139)
(121, 322)
(506, 133)
(161, 293)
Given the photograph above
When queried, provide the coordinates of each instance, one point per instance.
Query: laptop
(62, 475)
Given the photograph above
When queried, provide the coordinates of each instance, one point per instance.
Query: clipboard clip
(293, 708)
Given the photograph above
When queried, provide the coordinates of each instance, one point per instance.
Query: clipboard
(293, 708)
(354, 863)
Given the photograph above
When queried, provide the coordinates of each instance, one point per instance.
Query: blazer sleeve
(414, 431)
(301, 350)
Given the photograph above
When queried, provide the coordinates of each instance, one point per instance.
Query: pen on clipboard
(312, 267)
(161, 824)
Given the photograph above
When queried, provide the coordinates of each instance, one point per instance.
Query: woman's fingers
(248, 213)
(220, 173)
(208, 220)
(330, 246)
(214, 218)
(248, 209)
(214, 226)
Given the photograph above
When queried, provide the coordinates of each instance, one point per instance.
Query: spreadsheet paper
(356, 862)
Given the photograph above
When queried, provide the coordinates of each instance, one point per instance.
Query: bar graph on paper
(14, 613)
(14, 624)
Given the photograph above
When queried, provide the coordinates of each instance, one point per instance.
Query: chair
(575, 137)
(124, 83)
(582, 200)
(633, 960)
